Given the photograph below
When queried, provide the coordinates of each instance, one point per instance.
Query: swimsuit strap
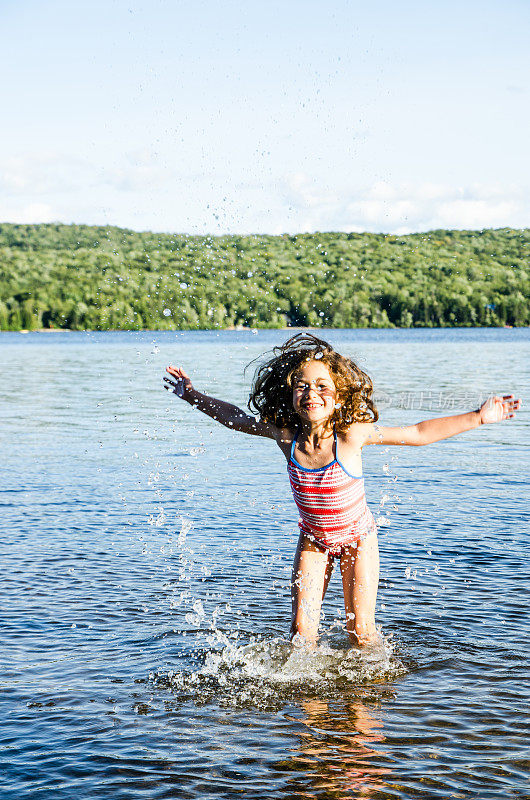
(338, 461)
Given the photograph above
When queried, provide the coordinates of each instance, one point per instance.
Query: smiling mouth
(312, 405)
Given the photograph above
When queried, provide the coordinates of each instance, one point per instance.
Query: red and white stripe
(332, 505)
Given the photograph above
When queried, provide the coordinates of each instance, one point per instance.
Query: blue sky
(216, 116)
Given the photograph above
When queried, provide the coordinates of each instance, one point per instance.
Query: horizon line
(262, 233)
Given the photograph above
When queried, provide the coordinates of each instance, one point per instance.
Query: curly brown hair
(271, 393)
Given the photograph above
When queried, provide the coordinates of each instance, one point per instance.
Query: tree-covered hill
(84, 277)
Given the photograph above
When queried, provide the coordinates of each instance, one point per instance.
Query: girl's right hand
(179, 383)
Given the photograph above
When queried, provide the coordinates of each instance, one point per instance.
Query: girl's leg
(359, 568)
(312, 570)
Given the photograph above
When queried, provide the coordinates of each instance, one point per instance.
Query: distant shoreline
(251, 330)
(80, 277)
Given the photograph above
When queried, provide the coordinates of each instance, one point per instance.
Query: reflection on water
(333, 696)
(341, 749)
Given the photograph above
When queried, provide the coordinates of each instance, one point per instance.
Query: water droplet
(185, 528)
(198, 608)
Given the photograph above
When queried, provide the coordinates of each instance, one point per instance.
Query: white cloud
(407, 207)
(476, 213)
(301, 191)
(58, 173)
(43, 174)
(141, 190)
(27, 214)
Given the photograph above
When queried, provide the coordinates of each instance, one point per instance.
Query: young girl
(317, 405)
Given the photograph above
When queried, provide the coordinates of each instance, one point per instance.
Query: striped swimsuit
(332, 503)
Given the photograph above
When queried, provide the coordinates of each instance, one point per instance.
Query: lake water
(146, 555)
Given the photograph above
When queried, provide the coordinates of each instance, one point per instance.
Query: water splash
(186, 525)
(159, 521)
(270, 672)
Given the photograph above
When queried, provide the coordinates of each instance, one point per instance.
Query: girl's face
(314, 393)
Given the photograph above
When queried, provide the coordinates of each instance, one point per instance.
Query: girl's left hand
(495, 409)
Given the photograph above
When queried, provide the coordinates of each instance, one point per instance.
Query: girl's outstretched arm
(227, 414)
(494, 409)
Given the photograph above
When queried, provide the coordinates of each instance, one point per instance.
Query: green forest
(106, 278)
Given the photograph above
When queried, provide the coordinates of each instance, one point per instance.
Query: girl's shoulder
(284, 439)
(356, 433)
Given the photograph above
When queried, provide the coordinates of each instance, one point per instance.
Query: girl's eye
(320, 386)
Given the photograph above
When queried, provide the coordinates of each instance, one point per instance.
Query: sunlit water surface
(146, 554)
